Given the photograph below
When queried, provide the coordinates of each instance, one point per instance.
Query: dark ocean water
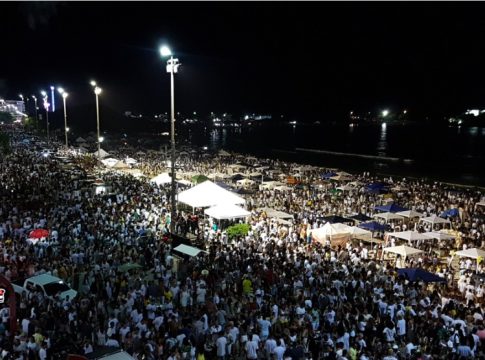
(444, 153)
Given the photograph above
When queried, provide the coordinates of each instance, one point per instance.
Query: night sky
(316, 60)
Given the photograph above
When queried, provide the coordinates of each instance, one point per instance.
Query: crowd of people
(271, 294)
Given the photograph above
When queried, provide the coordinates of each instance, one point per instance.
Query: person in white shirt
(269, 347)
(279, 351)
(221, 344)
(251, 348)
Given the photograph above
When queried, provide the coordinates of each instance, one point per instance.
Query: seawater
(442, 153)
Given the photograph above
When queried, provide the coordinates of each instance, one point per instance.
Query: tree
(237, 230)
(6, 117)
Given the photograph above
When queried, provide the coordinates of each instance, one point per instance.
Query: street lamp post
(36, 112)
(46, 107)
(172, 67)
(97, 91)
(64, 96)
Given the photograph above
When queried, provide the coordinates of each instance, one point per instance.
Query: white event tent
(410, 214)
(409, 235)
(208, 194)
(226, 211)
(163, 178)
(473, 253)
(402, 250)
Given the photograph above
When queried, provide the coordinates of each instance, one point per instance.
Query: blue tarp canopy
(373, 226)
(328, 175)
(390, 208)
(361, 217)
(450, 213)
(416, 274)
(376, 185)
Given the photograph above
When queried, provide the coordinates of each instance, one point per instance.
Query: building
(14, 107)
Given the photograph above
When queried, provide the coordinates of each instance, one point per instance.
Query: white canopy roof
(226, 211)
(388, 216)
(345, 187)
(189, 250)
(402, 250)
(162, 178)
(272, 213)
(270, 184)
(103, 154)
(433, 219)
(409, 235)
(328, 229)
(109, 162)
(439, 235)
(245, 182)
(481, 203)
(208, 194)
(223, 153)
(357, 231)
(130, 160)
(471, 253)
(80, 140)
(410, 214)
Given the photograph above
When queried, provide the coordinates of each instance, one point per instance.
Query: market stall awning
(227, 211)
(208, 194)
(189, 250)
(473, 253)
(402, 250)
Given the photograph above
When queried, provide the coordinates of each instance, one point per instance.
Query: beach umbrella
(129, 266)
(417, 274)
(199, 178)
(38, 234)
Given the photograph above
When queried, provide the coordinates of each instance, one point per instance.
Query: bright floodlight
(64, 94)
(93, 83)
(33, 97)
(67, 129)
(52, 87)
(43, 93)
(165, 51)
(97, 90)
(61, 90)
(101, 139)
(385, 113)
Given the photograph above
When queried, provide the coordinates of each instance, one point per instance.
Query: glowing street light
(64, 96)
(385, 113)
(36, 110)
(53, 99)
(172, 67)
(97, 91)
(46, 107)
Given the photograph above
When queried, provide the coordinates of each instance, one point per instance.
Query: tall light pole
(64, 96)
(46, 107)
(53, 99)
(36, 112)
(97, 91)
(172, 67)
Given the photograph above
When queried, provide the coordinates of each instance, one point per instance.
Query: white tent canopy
(329, 230)
(189, 250)
(109, 162)
(402, 250)
(433, 219)
(438, 235)
(409, 235)
(226, 211)
(345, 188)
(163, 178)
(388, 216)
(410, 214)
(103, 154)
(272, 213)
(473, 253)
(223, 153)
(208, 194)
(130, 161)
(80, 140)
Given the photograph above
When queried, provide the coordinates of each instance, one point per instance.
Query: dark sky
(308, 60)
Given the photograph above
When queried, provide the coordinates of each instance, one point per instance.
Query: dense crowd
(273, 294)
